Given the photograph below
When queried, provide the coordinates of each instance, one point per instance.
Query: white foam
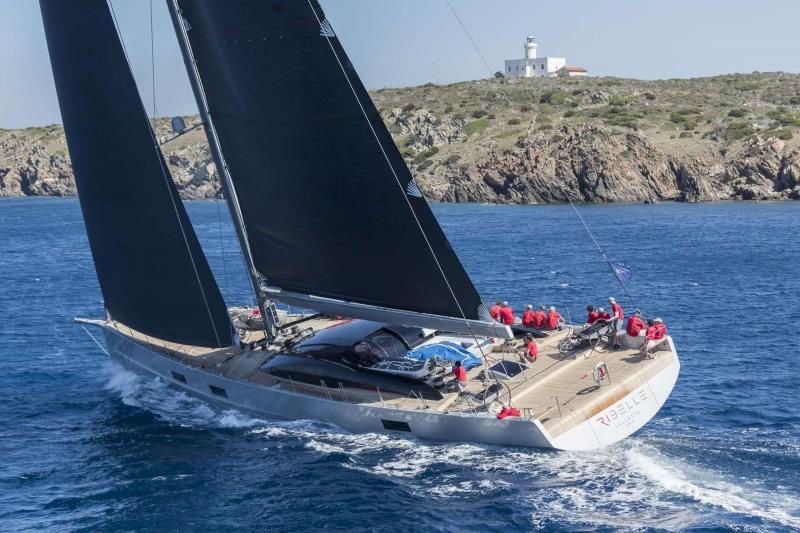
(716, 490)
(170, 404)
(633, 484)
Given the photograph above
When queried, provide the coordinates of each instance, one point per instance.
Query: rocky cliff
(533, 141)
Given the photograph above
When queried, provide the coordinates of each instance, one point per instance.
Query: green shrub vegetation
(747, 86)
(683, 120)
(425, 154)
(781, 133)
(555, 97)
(739, 129)
(509, 134)
(475, 126)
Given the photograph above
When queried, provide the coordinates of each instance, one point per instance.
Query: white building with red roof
(532, 66)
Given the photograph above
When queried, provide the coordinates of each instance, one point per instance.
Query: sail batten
(151, 269)
(330, 206)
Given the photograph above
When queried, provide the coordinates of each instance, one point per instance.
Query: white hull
(617, 421)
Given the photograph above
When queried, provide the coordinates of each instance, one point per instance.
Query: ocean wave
(634, 484)
(628, 486)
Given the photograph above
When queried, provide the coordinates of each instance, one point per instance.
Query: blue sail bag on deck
(449, 351)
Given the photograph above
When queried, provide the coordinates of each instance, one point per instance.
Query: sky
(395, 43)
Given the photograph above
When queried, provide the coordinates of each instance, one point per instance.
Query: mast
(270, 326)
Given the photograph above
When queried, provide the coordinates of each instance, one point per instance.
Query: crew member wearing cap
(506, 314)
(661, 329)
(617, 316)
(655, 335)
(554, 319)
(602, 315)
(495, 310)
(527, 317)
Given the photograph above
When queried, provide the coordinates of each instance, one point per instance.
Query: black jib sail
(330, 207)
(152, 271)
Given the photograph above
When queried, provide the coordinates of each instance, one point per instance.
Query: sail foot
(332, 306)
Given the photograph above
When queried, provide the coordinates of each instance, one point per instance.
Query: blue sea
(85, 446)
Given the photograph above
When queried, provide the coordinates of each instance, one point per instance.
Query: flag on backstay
(623, 270)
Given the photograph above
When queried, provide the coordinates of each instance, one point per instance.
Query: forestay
(152, 271)
(334, 219)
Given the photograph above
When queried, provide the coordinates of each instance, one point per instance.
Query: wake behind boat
(335, 223)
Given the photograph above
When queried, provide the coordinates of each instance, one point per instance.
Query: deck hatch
(508, 368)
(177, 376)
(395, 425)
(218, 391)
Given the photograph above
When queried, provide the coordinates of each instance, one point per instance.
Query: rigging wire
(167, 182)
(575, 209)
(566, 195)
(402, 189)
(222, 245)
(599, 248)
(469, 36)
(153, 61)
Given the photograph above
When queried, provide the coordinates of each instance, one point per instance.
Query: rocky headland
(733, 137)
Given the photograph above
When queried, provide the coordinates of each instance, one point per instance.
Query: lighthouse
(530, 47)
(532, 66)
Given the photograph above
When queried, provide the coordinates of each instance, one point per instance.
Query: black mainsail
(152, 271)
(333, 216)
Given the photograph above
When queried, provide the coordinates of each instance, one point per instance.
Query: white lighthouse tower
(530, 47)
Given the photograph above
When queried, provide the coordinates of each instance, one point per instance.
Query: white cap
(611, 300)
(552, 308)
(658, 320)
(600, 310)
(505, 303)
(529, 306)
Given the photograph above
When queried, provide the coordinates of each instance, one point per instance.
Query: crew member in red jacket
(531, 350)
(553, 319)
(539, 317)
(635, 324)
(506, 314)
(661, 329)
(527, 317)
(591, 315)
(460, 375)
(655, 333)
(495, 310)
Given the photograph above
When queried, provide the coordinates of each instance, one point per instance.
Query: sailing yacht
(329, 219)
